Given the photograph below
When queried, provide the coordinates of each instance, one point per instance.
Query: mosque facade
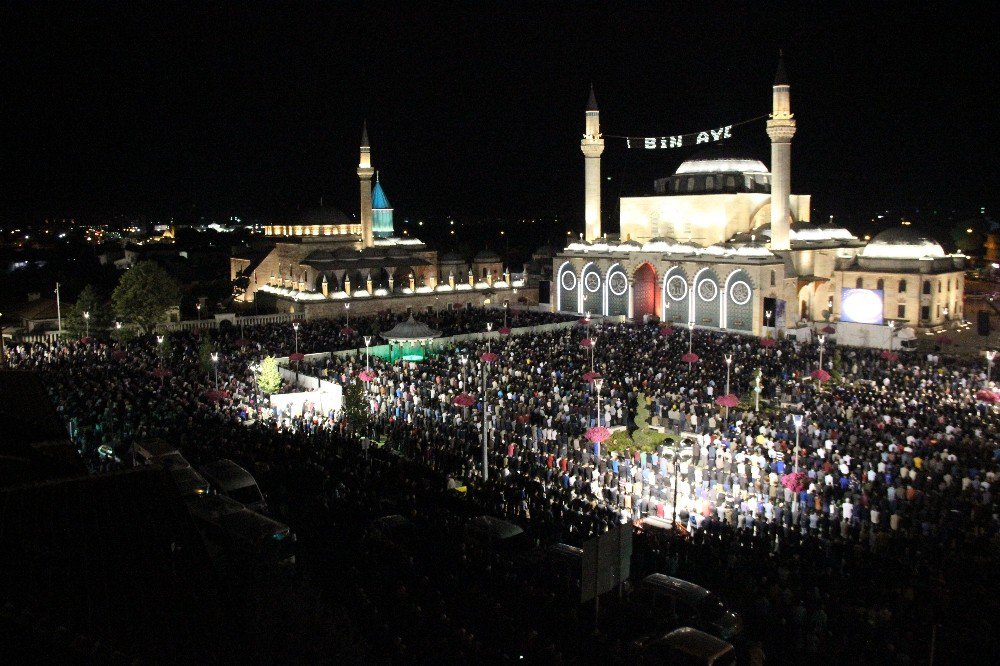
(723, 244)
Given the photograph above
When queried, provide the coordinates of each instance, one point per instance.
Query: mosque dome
(486, 256)
(451, 258)
(323, 215)
(902, 243)
(720, 164)
(347, 253)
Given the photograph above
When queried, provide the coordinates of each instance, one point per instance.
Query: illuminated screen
(861, 306)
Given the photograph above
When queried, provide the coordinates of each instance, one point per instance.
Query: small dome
(373, 253)
(324, 215)
(902, 243)
(320, 255)
(451, 258)
(544, 252)
(487, 256)
(346, 253)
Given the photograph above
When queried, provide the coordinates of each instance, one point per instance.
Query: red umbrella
(161, 373)
(215, 395)
(118, 354)
(586, 343)
(523, 419)
(728, 400)
(690, 357)
(985, 395)
(767, 342)
(584, 320)
(590, 376)
(598, 434)
(829, 329)
(890, 355)
(347, 330)
(504, 330)
(820, 375)
(366, 375)
(296, 356)
(463, 400)
(944, 340)
(488, 357)
(86, 340)
(666, 330)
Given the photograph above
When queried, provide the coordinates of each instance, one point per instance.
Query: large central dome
(720, 165)
(902, 243)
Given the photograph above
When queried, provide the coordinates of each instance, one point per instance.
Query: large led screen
(861, 306)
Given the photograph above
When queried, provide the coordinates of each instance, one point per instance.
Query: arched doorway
(644, 292)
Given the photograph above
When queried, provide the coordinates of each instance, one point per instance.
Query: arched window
(690, 184)
(880, 285)
(949, 284)
(902, 286)
(939, 287)
(710, 183)
(774, 277)
(859, 283)
(730, 183)
(927, 286)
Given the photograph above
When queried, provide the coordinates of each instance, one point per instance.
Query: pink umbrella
(598, 434)
(889, 355)
(296, 356)
(584, 320)
(985, 395)
(366, 375)
(829, 329)
(463, 400)
(586, 343)
(666, 330)
(690, 357)
(590, 376)
(820, 375)
(728, 400)
(504, 330)
(161, 373)
(86, 340)
(796, 481)
(488, 357)
(347, 330)
(767, 342)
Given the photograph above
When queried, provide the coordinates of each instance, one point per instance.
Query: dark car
(680, 601)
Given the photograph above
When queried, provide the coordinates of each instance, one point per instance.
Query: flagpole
(58, 308)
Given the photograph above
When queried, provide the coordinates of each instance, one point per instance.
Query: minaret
(365, 173)
(592, 146)
(781, 129)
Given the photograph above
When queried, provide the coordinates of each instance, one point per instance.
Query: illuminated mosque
(724, 244)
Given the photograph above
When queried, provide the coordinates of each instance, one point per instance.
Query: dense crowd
(856, 544)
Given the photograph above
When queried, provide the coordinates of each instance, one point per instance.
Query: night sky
(476, 109)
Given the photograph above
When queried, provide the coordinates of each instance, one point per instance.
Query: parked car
(680, 601)
(234, 482)
(686, 645)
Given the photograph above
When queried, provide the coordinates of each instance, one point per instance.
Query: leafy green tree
(75, 324)
(354, 407)
(143, 295)
(205, 351)
(269, 377)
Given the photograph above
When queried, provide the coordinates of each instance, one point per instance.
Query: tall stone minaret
(781, 129)
(365, 172)
(592, 146)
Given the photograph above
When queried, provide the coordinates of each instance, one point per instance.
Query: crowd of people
(859, 542)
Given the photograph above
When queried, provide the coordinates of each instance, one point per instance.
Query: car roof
(658, 581)
(495, 528)
(696, 643)
(228, 475)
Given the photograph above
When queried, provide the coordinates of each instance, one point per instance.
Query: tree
(88, 301)
(143, 295)
(205, 351)
(269, 377)
(354, 408)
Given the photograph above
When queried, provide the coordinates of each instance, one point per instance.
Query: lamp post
(215, 362)
(797, 420)
(593, 344)
(347, 308)
(586, 318)
(677, 455)
(757, 390)
(486, 426)
(159, 347)
(767, 318)
(729, 366)
(489, 329)
(666, 313)
(822, 346)
(295, 327)
(990, 355)
(86, 319)
(198, 308)
(690, 336)
(598, 384)
(465, 380)
(368, 341)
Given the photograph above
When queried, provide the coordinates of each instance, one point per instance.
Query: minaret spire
(780, 129)
(592, 145)
(365, 172)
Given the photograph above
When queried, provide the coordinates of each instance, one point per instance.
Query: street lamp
(159, 346)
(729, 366)
(757, 390)
(797, 420)
(465, 380)
(690, 336)
(598, 384)
(215, 362)
(347, 307)
(486, 426)
(198, 308)
(822, 346)
(489, 329)
(990, 355)
(767, 318)
(368, 341)
(295, 327)
(593, 345)
(86, 319)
